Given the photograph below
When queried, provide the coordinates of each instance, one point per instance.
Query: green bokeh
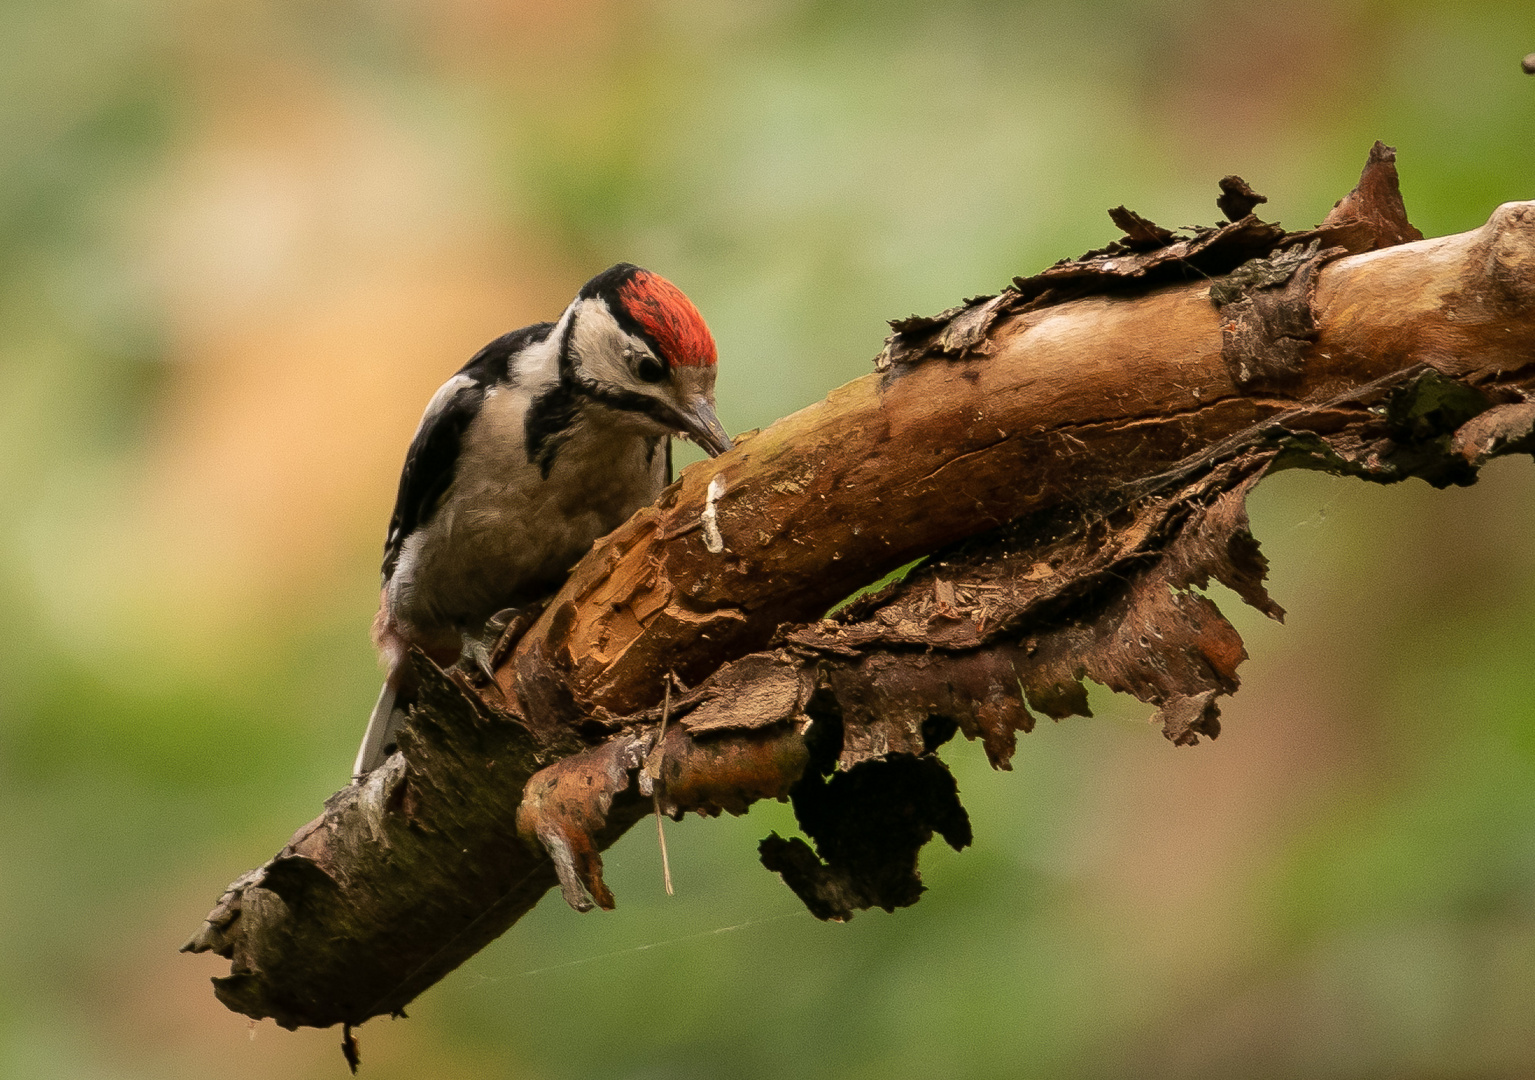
(805, 171)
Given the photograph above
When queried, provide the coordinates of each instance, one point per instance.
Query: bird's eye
(650, 369)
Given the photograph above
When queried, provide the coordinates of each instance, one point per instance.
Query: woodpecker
(550, 437)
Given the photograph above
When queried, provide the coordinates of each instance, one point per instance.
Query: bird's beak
(703, 427)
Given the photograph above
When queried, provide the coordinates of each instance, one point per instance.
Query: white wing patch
(445, 393)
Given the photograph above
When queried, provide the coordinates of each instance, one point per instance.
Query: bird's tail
(383, 725)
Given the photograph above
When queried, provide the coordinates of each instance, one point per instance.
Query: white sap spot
(709, 519)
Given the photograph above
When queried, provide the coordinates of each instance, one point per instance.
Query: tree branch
(1074, 455)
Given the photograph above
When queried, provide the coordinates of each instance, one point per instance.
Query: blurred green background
(242, 242)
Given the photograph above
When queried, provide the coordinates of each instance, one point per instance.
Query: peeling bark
(1071, 457)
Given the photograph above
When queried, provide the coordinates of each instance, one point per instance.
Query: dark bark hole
(868, 823)
(937, 730)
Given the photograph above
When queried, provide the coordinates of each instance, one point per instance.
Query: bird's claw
(485, 651)
(509, 624)
(476, 657)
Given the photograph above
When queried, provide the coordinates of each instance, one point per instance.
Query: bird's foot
(508, 625)
(484, 652)
(476, 659)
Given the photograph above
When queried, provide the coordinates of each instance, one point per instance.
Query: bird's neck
(538, 368)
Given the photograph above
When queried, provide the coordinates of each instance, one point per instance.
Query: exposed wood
(1081, 464)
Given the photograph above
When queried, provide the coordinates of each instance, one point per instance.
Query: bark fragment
(1210, 252)
(957, 332)
(1500, 430)
(1269, 323)
(1372, 216)
(1140, 234)
(1237, 199)
(868, 824)
(565, 808)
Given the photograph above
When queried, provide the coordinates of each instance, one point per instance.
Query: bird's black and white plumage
(550, 437)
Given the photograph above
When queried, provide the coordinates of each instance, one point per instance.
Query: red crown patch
(669, 317)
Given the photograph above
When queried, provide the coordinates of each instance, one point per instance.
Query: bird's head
(636, 343)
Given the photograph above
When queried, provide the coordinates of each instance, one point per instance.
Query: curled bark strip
(1500, 430)
(1070, 459)
(565, 808)
(755, 691)
(727, 772)
(1109, 599)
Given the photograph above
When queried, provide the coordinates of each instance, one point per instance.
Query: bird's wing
(432, 460)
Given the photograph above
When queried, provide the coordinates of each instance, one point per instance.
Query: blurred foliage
(204, 205)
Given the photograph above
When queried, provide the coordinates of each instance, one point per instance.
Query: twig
(655, 784)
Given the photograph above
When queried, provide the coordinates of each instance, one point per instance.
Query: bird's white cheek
(599, 343)
(606, 366)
